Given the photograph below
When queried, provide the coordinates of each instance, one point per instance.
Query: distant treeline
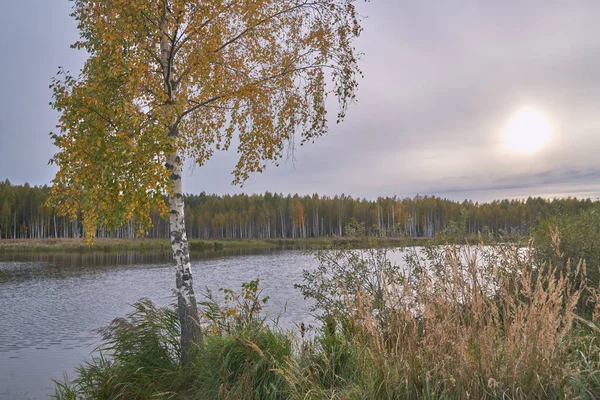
(24, 214)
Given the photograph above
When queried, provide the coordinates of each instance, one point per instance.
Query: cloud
(441, 81)
(546, 183)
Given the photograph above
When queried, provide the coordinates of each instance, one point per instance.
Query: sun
(527, 131)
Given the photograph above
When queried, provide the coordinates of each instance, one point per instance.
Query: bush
(140, 355)
(572, 239)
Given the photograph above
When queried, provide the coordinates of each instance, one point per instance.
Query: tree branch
(198, 105)
(260, 22)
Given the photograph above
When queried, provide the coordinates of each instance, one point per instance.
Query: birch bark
(186, 299)
(187, 307)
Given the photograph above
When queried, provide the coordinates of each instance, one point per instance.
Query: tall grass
(455, 322)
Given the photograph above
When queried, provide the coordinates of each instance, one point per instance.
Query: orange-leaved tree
(170, 80)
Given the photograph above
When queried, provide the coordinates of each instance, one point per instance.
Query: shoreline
(163, 245)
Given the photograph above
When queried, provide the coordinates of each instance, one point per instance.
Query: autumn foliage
(187, 78)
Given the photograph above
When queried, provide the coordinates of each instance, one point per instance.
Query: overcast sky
(442, 81)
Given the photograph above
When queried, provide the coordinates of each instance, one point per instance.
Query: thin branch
(106, 119)
(260, 22)
(198, 105)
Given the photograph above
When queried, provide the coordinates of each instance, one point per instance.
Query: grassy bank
(122, 245)
(164, 245)
(471, 322)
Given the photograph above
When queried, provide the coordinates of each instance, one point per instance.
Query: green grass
(118, 245)
(164, 245)
(79, 245)
(435, 332)
(481, 321)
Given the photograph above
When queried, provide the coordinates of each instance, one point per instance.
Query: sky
(442, 81)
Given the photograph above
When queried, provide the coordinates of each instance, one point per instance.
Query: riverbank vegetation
(147, 245)
(143, 245)
(24, 214)
(470, 321)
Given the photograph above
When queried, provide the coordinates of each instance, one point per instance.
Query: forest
(25, 214)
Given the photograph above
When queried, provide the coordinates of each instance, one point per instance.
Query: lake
(52, 304)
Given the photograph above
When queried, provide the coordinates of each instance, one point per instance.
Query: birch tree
(174, 80)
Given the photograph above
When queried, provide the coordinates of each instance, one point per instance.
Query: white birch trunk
(186, 300)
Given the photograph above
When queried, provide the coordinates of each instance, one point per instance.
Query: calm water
(51, 305)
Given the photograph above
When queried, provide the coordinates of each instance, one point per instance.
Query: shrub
(140, 355)
(571, 239)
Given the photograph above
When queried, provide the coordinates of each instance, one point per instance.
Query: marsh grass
(196, 245)
(466, 321)
(119, 244)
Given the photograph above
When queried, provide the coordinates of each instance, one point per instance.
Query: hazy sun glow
(527, 131)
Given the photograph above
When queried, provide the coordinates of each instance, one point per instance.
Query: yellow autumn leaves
(210, 71)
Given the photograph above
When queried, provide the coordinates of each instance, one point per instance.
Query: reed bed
(467, 322)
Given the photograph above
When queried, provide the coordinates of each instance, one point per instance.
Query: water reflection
(106, 259)
(87, 259)
(34, 265)
(52, 304)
